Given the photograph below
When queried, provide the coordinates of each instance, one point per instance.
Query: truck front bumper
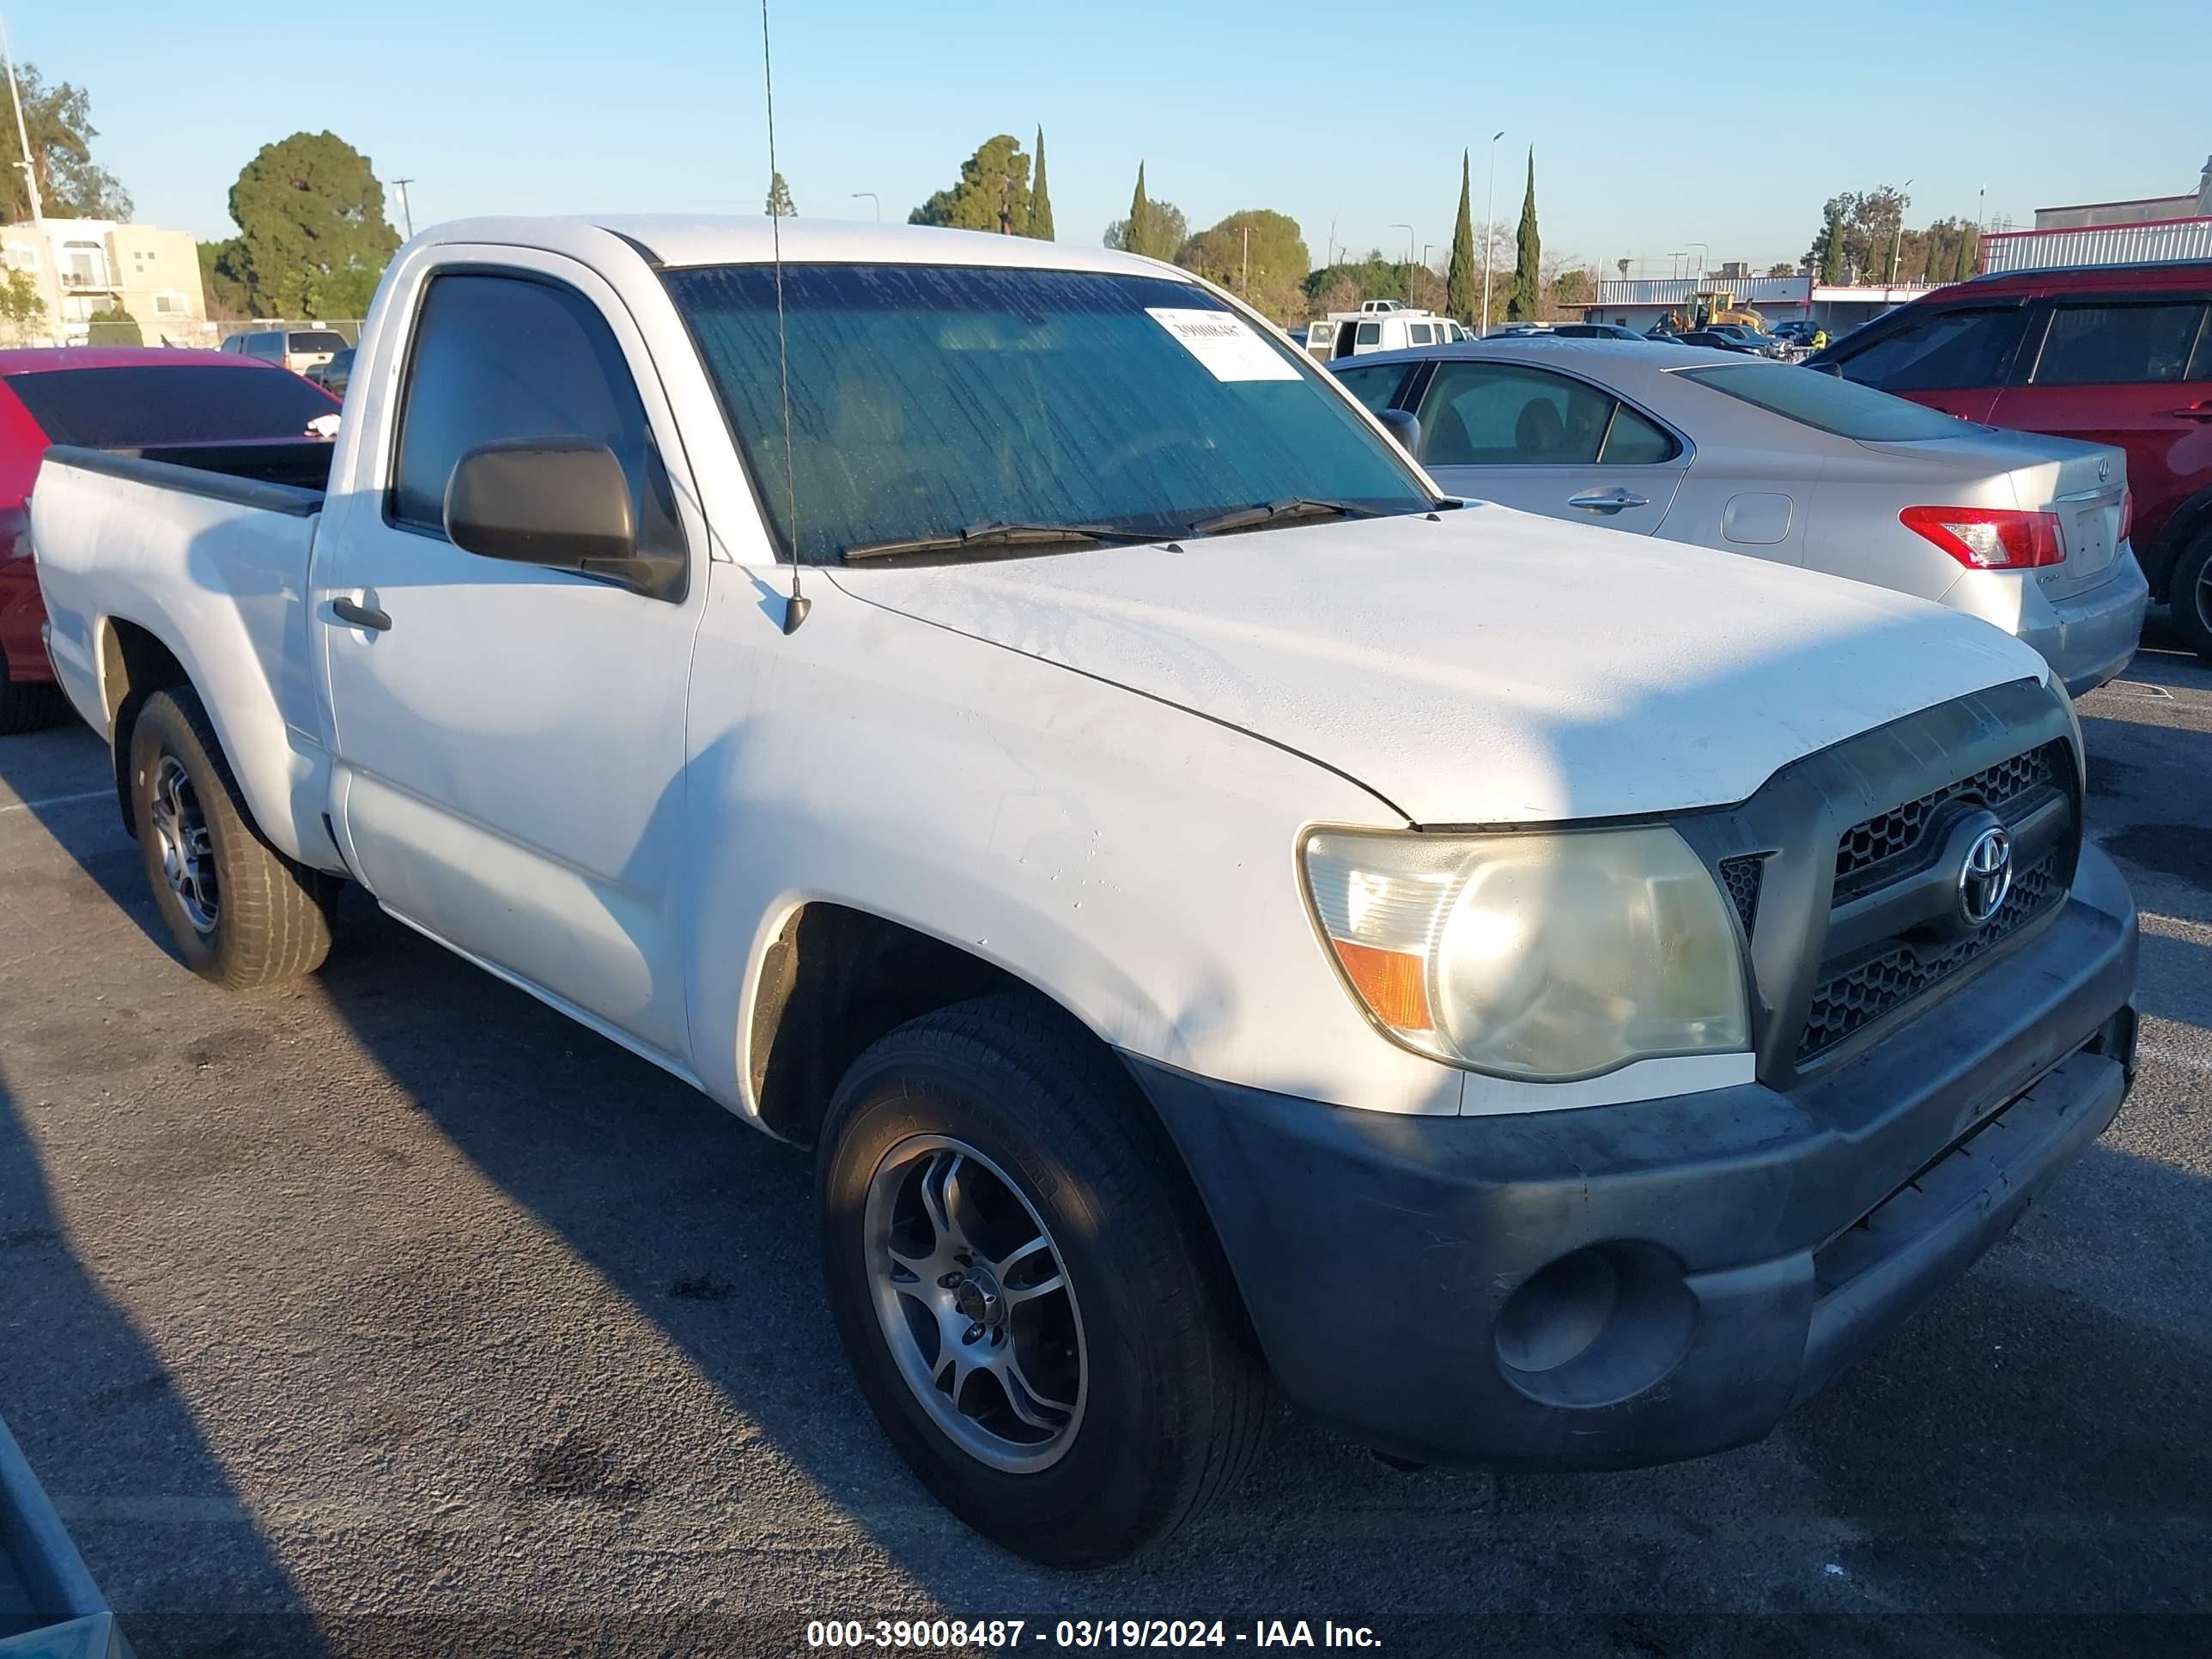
(1622, 1286)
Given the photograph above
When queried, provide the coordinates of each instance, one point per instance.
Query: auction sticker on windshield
(1221, 341)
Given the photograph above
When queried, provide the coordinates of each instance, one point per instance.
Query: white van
(1356, 333)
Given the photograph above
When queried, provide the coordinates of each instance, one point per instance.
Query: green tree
(71, 186)
(1155, 229)
(1463, 277)
(1782, 268)
(993, 194)
(779, 199)
(1829, 250)
(224, 280)
(112, 326)
(1524, 298)
(1573, 288)
(1258, 254)
(312, 231)
(20, 307)
(1040, 224)
(1169, 229)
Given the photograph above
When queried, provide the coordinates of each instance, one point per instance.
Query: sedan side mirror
(562, 503)
(1406, 427)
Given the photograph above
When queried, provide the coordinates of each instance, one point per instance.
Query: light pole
(1705, 248)
(1408, 229)
(406, 212)
(1426, 247)
(872, 197)
(1677, 256)
(1897, 242)
(1489, 207)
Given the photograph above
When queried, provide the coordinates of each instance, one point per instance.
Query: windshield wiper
(1289, 510)
(1002, 535)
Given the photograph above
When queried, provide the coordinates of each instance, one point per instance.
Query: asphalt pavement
(392, 1313)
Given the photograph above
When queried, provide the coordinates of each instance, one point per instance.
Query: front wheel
(1032, 1307)
(240, 913)
(2190, 592)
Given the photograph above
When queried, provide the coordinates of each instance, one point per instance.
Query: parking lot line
(58, 800)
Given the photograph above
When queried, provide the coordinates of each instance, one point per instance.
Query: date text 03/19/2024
(1080, 1633)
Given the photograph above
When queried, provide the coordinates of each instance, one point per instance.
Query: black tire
(270, 916)
(2190, 592)
(26, 708)
(1175, 1401)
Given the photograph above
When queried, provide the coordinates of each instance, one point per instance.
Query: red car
(171, 405)
(2118, 354)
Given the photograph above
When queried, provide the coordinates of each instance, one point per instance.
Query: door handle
(1618, 499)
(361, 616)
(2200, 410)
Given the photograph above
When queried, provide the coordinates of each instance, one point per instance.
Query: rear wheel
(240, 912)
(1030, 1303)
(2190, 594)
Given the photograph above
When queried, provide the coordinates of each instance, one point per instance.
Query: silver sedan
(1787, 464)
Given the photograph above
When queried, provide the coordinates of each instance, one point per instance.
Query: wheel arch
(134, 664)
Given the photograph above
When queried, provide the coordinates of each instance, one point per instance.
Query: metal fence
(2098, 245)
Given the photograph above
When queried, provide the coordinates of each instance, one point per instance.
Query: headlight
(1544, 956)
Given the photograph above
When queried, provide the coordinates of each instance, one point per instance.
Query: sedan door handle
(2200, 410)
(1618, 499)
(361, 616)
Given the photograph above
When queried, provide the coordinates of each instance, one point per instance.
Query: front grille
(1743, 877)
(1864, 994)
(1866, 852)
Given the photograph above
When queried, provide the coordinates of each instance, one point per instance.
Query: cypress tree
(1526, 294)
(1142, 232)
(1833, 256)
(1040, 201)
(1463, 278)
(779, 199)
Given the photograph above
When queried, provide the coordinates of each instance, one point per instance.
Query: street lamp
(1408, 229)
(1897, 242)
(872, 197)
(1704, 248)
(1489, 209)
(1678, 256)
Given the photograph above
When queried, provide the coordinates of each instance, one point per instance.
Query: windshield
(317, 339)
(1828, 404)
(141, 408)
(927, 399)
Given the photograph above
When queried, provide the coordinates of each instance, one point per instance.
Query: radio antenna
(794, 612)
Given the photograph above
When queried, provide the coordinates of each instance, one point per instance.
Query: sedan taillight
(2127, 513)
(1990, 537)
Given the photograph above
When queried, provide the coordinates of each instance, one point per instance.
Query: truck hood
(1482, 665)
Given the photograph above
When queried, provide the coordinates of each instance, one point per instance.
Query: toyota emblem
(1985, 877)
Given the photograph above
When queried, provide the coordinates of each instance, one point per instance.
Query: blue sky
(1646, 143)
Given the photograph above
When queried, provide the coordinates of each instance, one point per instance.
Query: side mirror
(562, 503)
(1406, 427)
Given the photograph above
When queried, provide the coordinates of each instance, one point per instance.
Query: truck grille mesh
(1862, 995)
(1897, 833)
(1743, 877)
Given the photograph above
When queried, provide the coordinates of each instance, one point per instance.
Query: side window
(509, 357)
(1374, 386)
(1368, 334)
(1959, 347)
(1631, 440)
(2118, 345)
(1503, 414)
(1422, 333)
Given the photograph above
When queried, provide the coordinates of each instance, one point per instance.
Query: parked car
(186, 406)
(1593, 331)
(1714, 339)
(1070, 864)
(2027, 532)
(2118, 354)
(296, 349)
(333, 375)
(1377, 326)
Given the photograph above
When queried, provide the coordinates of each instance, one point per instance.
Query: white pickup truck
(1230, 919)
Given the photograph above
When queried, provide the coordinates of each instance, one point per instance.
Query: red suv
(2118, 354)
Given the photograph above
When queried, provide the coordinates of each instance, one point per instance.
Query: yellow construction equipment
(1717, 305)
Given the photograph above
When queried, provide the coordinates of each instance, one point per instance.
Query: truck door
(509, 739)
(1547, 443)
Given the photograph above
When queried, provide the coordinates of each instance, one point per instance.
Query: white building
(80, 266)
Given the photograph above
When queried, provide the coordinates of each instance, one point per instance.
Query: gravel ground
(392, 1313)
